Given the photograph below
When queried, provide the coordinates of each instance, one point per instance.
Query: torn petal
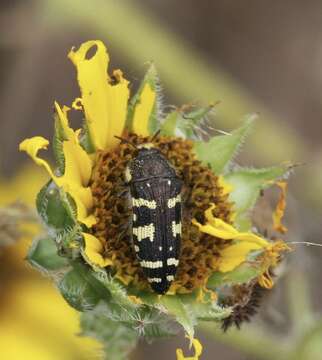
(280, 208)
(63, 119)
(31, 146)
(233, 255)
(198, 350)
(105, 104)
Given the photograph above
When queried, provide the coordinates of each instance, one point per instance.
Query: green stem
(252, 341)
(303, 348)
(299, 304)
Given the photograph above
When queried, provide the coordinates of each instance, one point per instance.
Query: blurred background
(252, 56)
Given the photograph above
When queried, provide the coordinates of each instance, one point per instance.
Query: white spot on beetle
(172, 202)
(128, 176)
(156, 280)
(170, 248)
(176, 228)
(144, 232)
(143, 202)
(160, 248)
(169, 182)
(134, 217)
(136, 248)
(170, 277)
(172, 261)
(151, 264)
(148, 185)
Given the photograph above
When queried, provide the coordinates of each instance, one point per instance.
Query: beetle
(155, 191)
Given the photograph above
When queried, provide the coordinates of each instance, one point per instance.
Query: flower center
(199, 251)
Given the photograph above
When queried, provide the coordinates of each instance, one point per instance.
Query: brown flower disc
(199, 251)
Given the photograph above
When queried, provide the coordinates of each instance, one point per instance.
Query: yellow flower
(94, 180)
(92, 164)
(198, 351)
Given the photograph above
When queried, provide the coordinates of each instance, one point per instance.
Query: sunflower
(85, 204)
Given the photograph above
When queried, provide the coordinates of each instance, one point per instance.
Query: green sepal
(115, 288)
(206, 309)
(182, 313)
(169, 124)
(43, 255)
(85, 139)
(220, 150)
(56, 209)
(153, 324)
(247, 185)
(117, 337)
(151, 78)
(210, 311)
(58, 139)
(192, 123)
(241, 275)
(81, 289)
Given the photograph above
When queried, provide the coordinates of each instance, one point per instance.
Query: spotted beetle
(156, 221)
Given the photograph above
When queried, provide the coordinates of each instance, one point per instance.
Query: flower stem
(251, 340)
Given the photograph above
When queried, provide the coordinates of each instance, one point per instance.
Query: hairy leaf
(43, 255)
(81, 289)
(220, 150)
(182, 313)
(118, 339)
(247, 184)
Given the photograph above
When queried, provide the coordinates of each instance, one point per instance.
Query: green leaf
(182, 313)
(151, 78)
(247, 185)
(118, 339)
(219, 151)
(81, 289)
(241, 275)
(43, 255)
(56, 209)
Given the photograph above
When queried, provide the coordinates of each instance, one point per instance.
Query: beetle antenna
(156, 135)
(126, 141)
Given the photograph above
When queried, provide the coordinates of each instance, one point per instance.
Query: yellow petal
(93, 251)
(198, 350)
(62, 116)
(143, 111)
(244, 242)
(280, 208)
(76, 176)
(219, 228)
(233, 255)
(105, 105)
(78, 165)
(31, 146)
